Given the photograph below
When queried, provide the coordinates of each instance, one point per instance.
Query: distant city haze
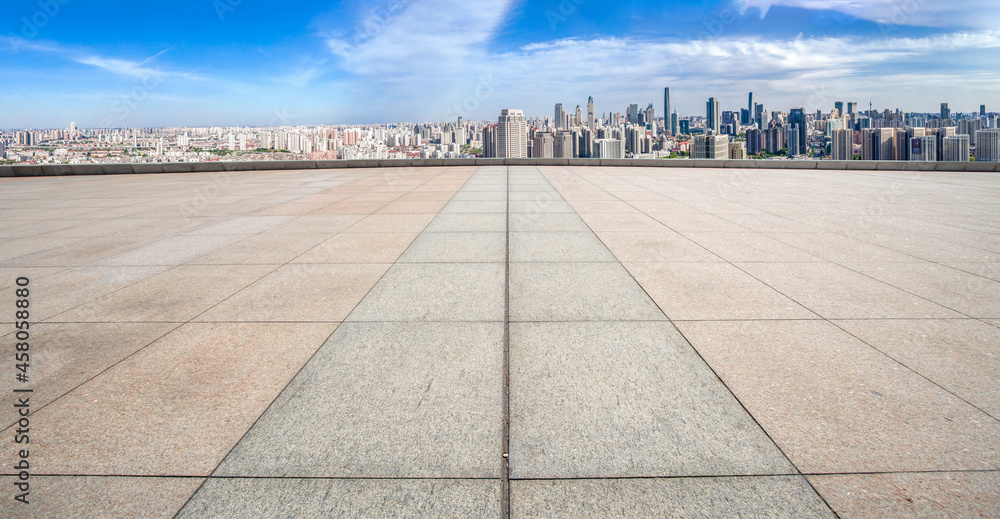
(116, 64)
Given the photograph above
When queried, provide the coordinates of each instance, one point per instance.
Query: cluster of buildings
(843, 133)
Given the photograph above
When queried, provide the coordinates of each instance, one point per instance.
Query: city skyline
(230, 63)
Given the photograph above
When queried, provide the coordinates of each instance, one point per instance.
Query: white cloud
(929, 13)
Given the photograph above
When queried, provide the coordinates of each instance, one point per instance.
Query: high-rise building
(982, 110)
(668, 126)
(842, 147)
(490, 141)
(512, 134)
(674, 128)
(852, 108)
(710, 147)
(557, 119)
(578, 117)
(839, 106)
(609, 149)
(956, 148)
(562, 145)
(760, 116)
(684, 125)
(945, 111)
(713, 115)
(792, 138)
(750, 107)
(650, 114)
(590, 114)
(797, 119)
(923, 149)
(737, 151)
(755, 141)
(542, 145)
(988, 145)
(633, 114)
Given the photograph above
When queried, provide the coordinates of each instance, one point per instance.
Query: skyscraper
(713, 115)
(945, 111)
(666, 111)
(852, 108)
(557, 120)
(988, 145)
(590, 114)
(797, 118)
(956, 148)
(633, 114)
(842, 147)
(839, 105)
(512, 134)
(982, 110)
(750, 107)
(578, 117)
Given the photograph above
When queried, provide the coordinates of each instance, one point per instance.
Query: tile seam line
(505, 426)
(821, 317)
(278, 394)
(698, 353)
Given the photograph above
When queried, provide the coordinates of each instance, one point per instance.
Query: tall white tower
(512, 134)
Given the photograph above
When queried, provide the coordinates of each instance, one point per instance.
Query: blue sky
(247, 62)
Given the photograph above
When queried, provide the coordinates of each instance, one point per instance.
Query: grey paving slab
(457, 247)
(624, 399)
(758, 497)
(558, 247)
(87, 497)
(386, 400)
(474, 206)
(577, 292)
(552, 222)
(436, 292)
(469, 222)
(283, 498)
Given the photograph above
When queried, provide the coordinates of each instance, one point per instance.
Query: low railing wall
(197, 167)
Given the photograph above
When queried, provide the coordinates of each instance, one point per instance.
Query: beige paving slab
(69, 288)
(836, 292)
(176, 407)
(176, 295)
(762, 497)
(749, 247)
(713, 291)
(622, 222)
(88, 497)
(654, 247)
(80, 252)
(282, 498)
(9, 275)
(840, 249)
(318, 224)
(18, 247)
(318, 293)
(380, 247)
(962, 355)
(973, 295)
(911, 495)
(386, 400)
(577, 292)
(402, 223)
(173, 250)
(624, 399)
(262, 249)
(833, 404)
(64, 356)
